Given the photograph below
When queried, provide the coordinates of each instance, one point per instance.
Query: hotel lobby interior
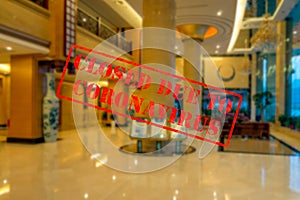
(150, 99)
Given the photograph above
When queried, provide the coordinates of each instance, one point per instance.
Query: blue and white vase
(50, 111)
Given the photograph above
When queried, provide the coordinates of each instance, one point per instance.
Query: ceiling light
(295, 32)
(6, 69)
(84, 19)
(8, 48)
(219, 13)
(238, 22)
(216, 51)
(218, 46)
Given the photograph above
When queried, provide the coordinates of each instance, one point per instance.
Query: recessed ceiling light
(8, 48)
(84, 19)
(295, 32)
(218, 46)
(219, 13)
(216, 51)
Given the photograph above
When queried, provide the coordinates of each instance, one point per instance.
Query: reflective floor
(65, 170)
(261, 146)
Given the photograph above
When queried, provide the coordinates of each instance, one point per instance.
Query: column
(3, 117)
(26, 100)
(253, 85)
(158, 14)
(161, 14)
(280, 74)
(192, 55)
(191, 70)
(288, 66)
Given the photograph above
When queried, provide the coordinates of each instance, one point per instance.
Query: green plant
(287, 123)
(282, 119)
(298, 125)
(272, 119)
(262, 100)
(293, 122)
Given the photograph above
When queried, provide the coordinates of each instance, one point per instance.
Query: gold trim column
(192, 61)
(253, 85)
(3, 116)
(280, 66)
(26, 100)
(158, 14)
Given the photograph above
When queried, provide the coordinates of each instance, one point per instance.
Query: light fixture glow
(216, 51)
(295, 32)
(86, 195)
(5, 189)
(219, 13)
(84, 19)
(5, 68)
(218, 46)
(8, 48)
(238, 22)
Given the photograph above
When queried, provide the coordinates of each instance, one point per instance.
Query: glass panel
(296, 86)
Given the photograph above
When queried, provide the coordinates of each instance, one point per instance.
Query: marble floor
(261, 146)
(65, 170)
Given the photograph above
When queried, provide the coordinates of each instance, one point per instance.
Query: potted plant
(292, 123)
(298, 125)
(282, 119)
(287, 123)
(262, 100)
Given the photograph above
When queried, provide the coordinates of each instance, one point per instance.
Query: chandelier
(246, 64)
(266, 37)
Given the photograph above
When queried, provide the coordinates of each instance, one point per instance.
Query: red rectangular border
(155, 70)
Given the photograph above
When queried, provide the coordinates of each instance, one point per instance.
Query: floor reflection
(260, 146)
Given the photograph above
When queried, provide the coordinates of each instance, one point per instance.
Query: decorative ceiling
(213, 13)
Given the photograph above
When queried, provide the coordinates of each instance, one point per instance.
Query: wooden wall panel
(32, 19)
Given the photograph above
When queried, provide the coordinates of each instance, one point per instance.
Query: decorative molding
(23, 36)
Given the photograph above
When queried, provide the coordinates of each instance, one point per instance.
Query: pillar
(253, 85)
(158, 14)
(288, 66)
(161, 14)
(3, 117)
(280, 66)
(192, 69)
(26, 100)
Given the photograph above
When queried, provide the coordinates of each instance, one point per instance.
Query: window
(295, 109)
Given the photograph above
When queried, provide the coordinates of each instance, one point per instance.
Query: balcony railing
(93, 25)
